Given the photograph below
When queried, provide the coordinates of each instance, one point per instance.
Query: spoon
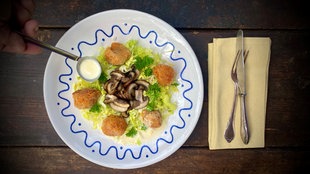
(88, 68)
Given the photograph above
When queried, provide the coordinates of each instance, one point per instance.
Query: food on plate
(114, 125)
(164, 74)
(117, 54)
(85, 98)
(151, 119)
(125, 91)
(134, 104)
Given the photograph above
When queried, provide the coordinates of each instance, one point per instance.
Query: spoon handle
(49, 47)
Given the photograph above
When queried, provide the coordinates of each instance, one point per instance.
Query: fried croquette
(85, 98)
(117, 54)
(114, 125)
(151, 119)
(164, 74)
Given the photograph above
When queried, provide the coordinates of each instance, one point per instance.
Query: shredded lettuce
(81, 83)
(135, 119)
(160, 99)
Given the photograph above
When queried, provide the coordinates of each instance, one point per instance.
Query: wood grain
(195, 160)
(220, 14)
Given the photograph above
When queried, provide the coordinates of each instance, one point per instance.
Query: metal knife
(245, 135)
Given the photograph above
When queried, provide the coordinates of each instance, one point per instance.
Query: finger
(14, 43)
(32, 49)
(9, 41)
(31, 29)
(22, 13)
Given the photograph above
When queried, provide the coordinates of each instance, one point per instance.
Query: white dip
(89, 69)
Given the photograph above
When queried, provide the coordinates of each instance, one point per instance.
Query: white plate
(84, 39)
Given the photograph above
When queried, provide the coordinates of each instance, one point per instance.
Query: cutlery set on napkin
(238, 85)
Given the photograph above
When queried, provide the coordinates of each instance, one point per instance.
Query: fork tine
(245, 55)
(233, 69)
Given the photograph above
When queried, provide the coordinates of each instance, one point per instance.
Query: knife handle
(245, 134)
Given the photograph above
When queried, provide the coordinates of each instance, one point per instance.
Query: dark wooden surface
(29, 144)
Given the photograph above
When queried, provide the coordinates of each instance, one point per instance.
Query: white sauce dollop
(89, 69)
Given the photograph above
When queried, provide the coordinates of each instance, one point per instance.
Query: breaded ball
(151, 119)
(164, 74)
(85, 98)
(114, 125)
(117, 54)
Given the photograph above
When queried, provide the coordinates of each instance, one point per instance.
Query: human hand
(17, 15)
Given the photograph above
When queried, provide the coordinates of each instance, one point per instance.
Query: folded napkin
(221, 91)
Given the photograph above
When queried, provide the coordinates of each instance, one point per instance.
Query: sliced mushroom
(130, 90)
(122, 94)
(120, 87)
(137, 72)
(143, 84)
(125, 114)
(130, 77)
(118, 108)
(120, 105)
(139, 95)
(134, 104)
(117, 74)
(109, 98)
(111, 86)
(142, 104)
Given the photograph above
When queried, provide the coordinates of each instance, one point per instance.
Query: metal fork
(229, 132)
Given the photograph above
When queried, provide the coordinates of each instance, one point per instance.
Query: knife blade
(240, 63)
(242, 87)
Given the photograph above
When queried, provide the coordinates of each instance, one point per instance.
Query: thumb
(31, 29)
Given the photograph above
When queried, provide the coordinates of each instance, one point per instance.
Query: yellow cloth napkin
(221, 91)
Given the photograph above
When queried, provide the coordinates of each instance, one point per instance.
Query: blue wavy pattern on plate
(62, 79)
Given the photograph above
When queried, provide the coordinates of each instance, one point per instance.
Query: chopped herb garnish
(175, 84)
(143, 127)
(132, 132)
(96, 108)
(154, 89)
(143, 62)
(103, 78)
(153, 93)
(148, 72)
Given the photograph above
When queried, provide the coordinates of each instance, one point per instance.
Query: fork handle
(245, 134)
(229, 132)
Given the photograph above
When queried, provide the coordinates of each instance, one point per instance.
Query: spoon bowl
(88, 68)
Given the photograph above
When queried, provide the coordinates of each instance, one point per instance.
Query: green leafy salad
(160, 98)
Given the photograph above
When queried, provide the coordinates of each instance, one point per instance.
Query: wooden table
(29, 143)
